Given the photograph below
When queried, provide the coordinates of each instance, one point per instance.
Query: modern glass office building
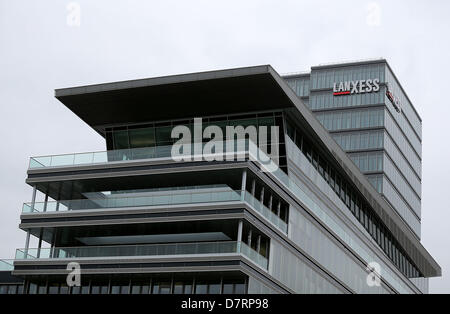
(339, 214)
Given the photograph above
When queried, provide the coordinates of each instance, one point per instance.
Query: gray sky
(120, 40)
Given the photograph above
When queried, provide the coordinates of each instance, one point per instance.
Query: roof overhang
(226, 92)
(175, 97)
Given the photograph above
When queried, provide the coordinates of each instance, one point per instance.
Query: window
(115, 289)
(322, 167)
(121, 140)
(163, 135)
(337, 186)
(162, 287)
(95, 290)
(33, 288)
(239, 288)
(178, 287)
(201, 288)
(136, 289)
(214, 288)
(53, 289)
(42, 289)
(144, 137)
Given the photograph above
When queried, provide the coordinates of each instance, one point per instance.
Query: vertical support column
(243, 184)
(249, 238)
(221, 285)
(261, 199)
(270, 202)
(301, 143)
(59, 196)
(52, 246)
(258, 244)
(239, 235)
(45, 203)
(253, 191)
(40, 243)
(27, 240)
(71, 196)
(279, 208)
(33, 199)
(27, 244)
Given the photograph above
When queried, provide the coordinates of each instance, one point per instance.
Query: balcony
(79, 159)
(102, 157)
(148, 250)
(168, 198)
(174, 197)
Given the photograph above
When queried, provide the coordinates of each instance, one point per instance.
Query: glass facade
(369, 122)
(153, 135)
(324, 100)
(139, 284)
(368, 162)
(302, 171)
(301, 277)
(300, 85)
(324, 78)
(326, 251)
(352, 119)
(11, 288)
(355, 202)
(354, 141)
(159, 134)
(409, 116)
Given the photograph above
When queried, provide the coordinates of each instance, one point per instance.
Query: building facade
(373, 120)
(328, 218)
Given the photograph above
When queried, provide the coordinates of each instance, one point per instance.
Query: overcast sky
(46, 45)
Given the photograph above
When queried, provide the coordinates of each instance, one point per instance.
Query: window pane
(188, 288)
(164, 288)
(239, 288)
(125, 289)
(121, 140)
(201, 288)
(227, 288)
(142, 137)
(178, 288)
(214, 288)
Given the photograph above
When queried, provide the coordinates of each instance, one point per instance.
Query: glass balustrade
(144, 250)
(266, 212)
(79, 159)
(193, 197)
(254, 256)
(158, 199)
(6, 265)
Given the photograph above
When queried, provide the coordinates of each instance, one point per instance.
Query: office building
(339, 214)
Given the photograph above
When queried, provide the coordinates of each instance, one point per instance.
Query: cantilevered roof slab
(176, 97)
